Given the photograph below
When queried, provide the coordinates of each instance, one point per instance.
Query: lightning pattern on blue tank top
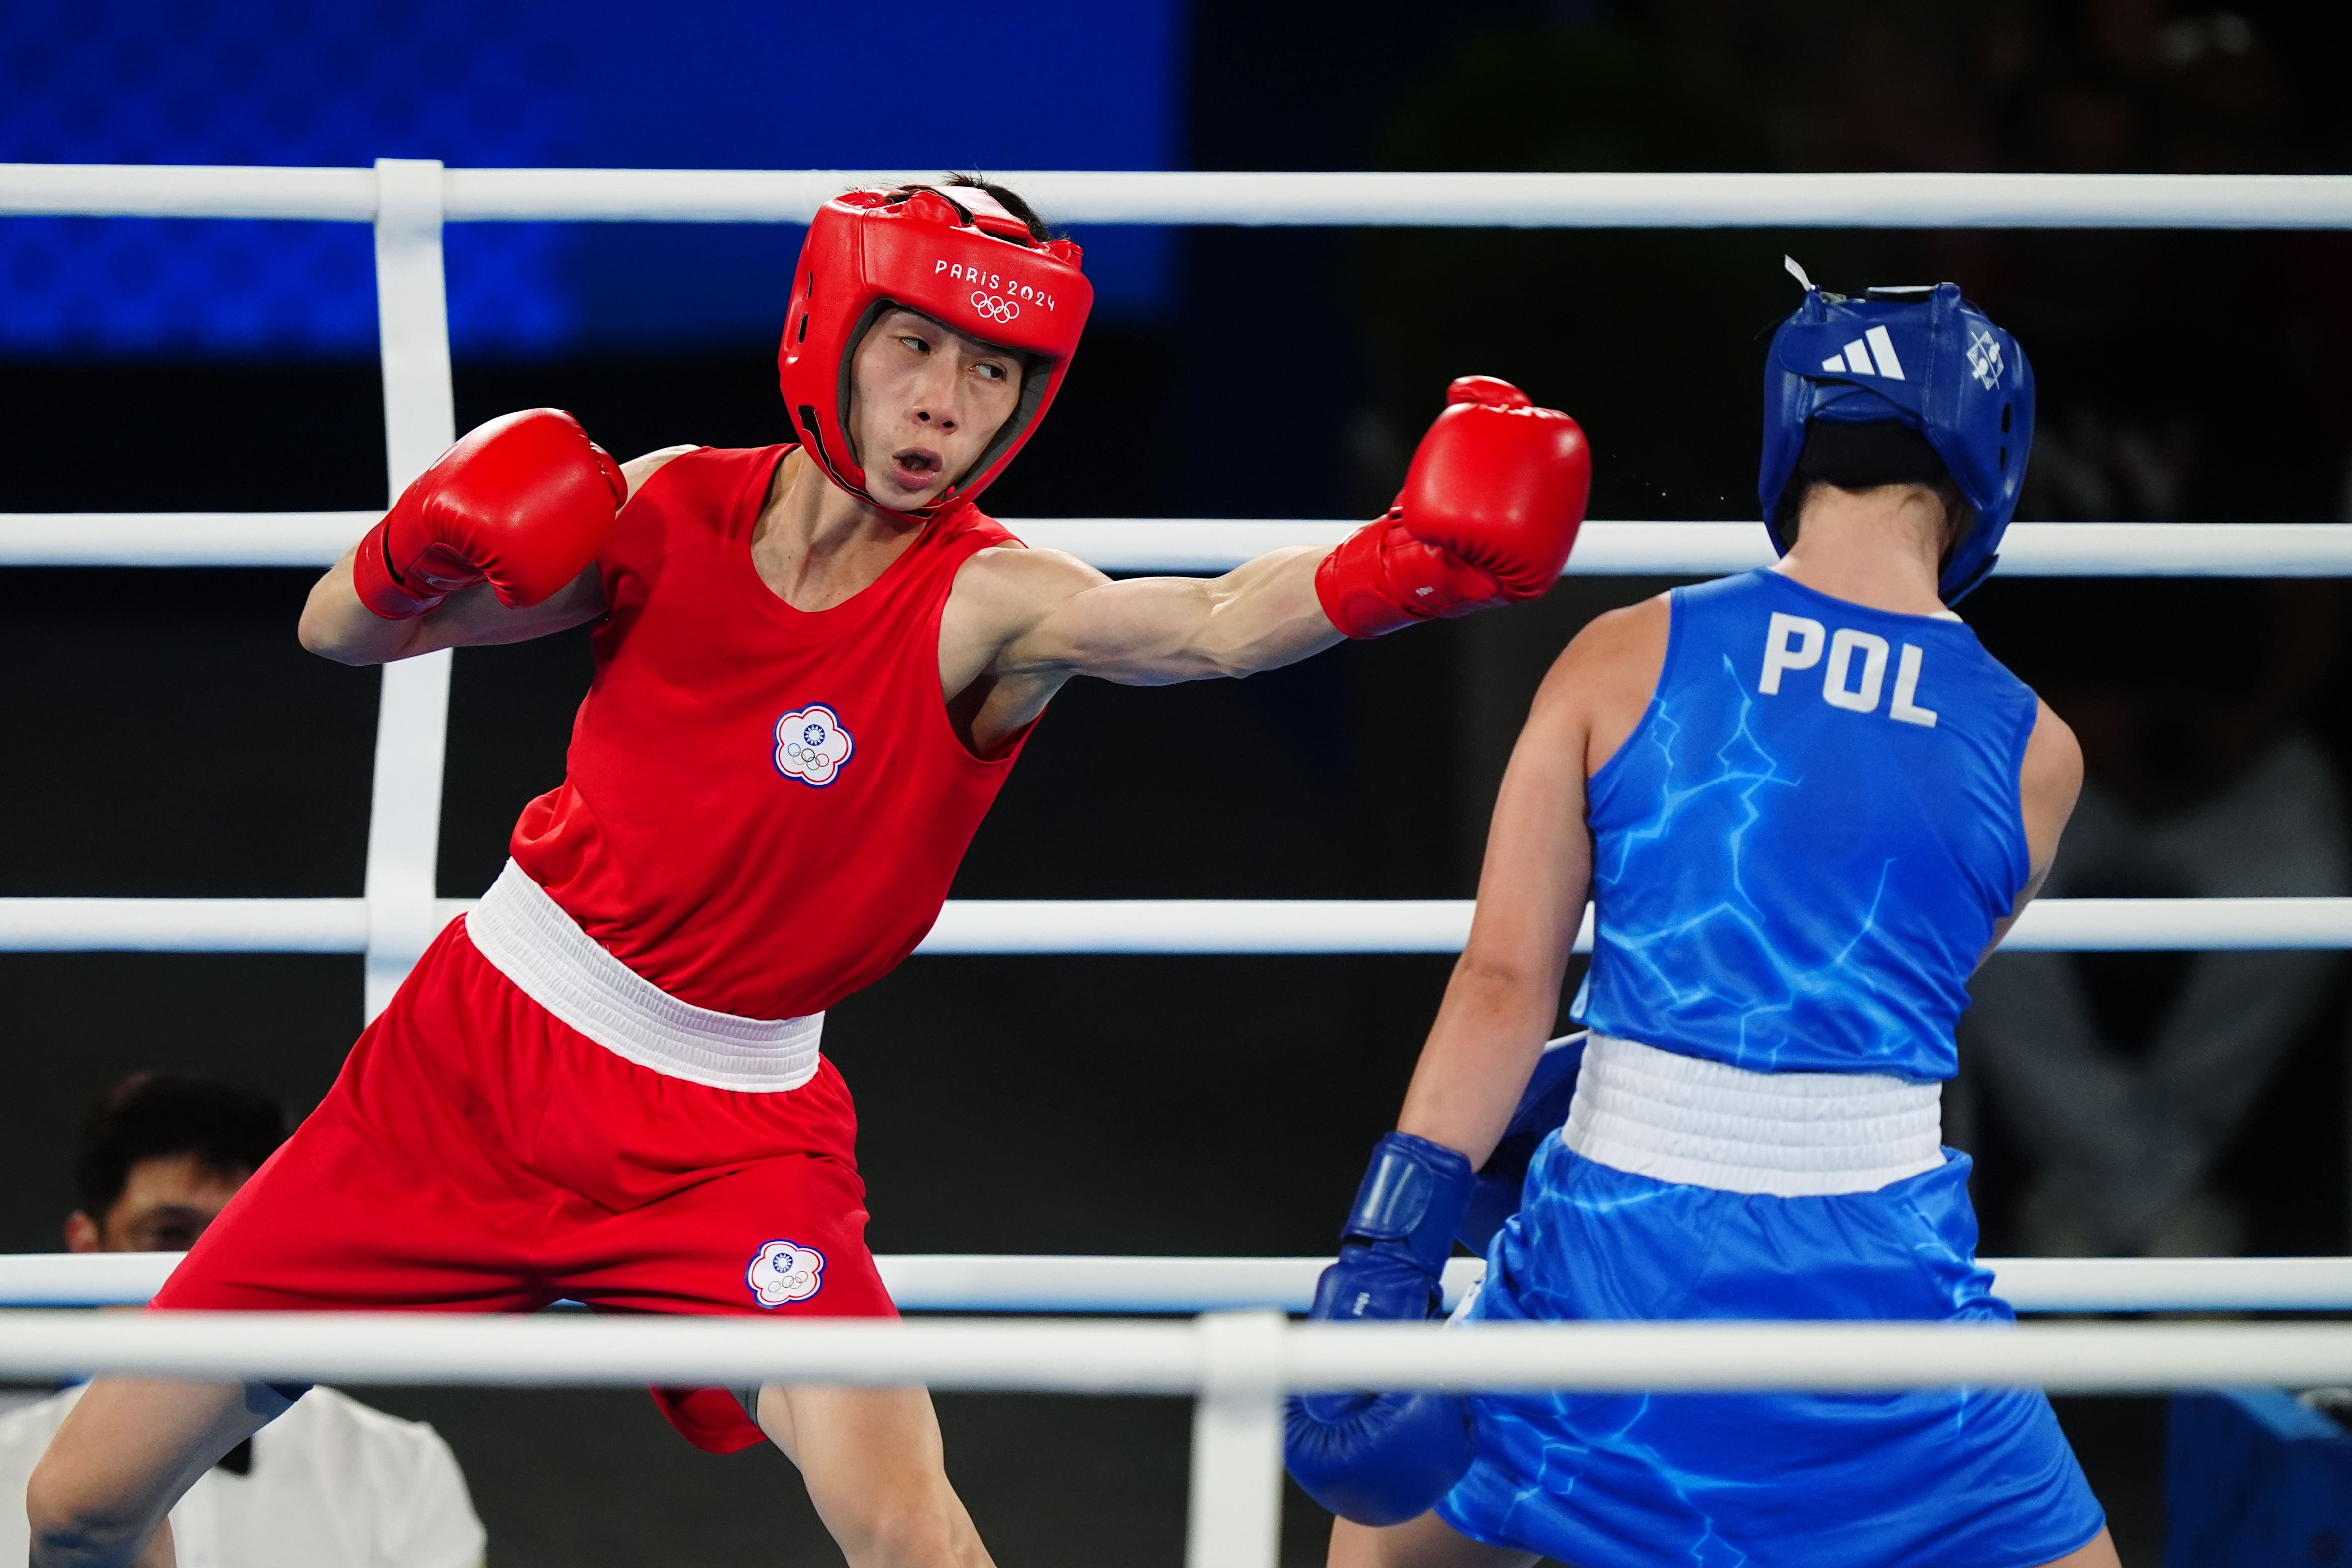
(1804, 846)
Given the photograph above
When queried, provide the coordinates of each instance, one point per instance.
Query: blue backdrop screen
(590, 83)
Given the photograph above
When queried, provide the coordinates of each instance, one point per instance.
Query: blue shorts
(1929, 1479)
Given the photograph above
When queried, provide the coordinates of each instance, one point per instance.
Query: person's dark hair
(1864, 457)
(151, 1115)
(1008, 199)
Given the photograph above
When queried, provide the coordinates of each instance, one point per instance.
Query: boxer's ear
(83, 1233)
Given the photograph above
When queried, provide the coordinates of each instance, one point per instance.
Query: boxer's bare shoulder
(1602, 683)
(1014, 585)
(637, 470)
(2048, 783)
(1000, 593)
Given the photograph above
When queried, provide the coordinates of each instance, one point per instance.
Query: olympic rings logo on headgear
(1000, 311)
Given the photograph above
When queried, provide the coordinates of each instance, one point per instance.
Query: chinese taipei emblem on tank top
(811, 746)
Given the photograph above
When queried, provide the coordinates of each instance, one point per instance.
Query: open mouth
(915, 466)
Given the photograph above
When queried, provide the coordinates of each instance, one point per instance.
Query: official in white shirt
(331, 1483)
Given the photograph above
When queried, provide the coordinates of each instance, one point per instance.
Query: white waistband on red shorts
(529, 938)
(1705, 1123)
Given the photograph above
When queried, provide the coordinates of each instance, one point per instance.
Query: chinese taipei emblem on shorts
(783, 1272)
(810, 745)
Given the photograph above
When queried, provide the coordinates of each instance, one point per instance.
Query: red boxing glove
(525, 501)
(1488, 514)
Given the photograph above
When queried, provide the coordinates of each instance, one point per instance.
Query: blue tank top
(1803, 847)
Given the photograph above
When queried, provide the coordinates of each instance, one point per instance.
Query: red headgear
(919, 248)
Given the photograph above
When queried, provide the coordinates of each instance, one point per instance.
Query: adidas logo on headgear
(1875, 343)
(1872, 353)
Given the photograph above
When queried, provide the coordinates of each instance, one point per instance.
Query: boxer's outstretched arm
(1053, 615)
(1488, 514)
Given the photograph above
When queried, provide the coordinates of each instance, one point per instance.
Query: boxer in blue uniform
(1805, 802)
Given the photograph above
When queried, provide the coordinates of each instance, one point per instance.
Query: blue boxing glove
(1543, 1110)
(1382, 1458)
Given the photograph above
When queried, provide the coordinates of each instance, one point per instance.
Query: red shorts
(478, 1155)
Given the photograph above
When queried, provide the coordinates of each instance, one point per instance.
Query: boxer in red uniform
(814, 667)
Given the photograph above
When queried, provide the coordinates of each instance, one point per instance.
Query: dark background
(165, 736)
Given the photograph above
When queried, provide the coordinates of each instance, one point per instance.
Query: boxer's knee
(77, 1520)
(913, 1524)
(876, 1470)
(127, 1451)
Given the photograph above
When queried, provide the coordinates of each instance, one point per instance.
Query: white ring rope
(1218, 544)
(989, 1282)
(973, 926)
(1187, 196)
(1238, 1362)
(1060, 1355)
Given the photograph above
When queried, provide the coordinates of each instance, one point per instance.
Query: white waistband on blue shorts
(529, 938)
(1787, 1134)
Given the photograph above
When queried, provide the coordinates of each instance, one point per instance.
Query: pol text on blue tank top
(1804, 846)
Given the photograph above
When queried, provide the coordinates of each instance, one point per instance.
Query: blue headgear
(1920, 357)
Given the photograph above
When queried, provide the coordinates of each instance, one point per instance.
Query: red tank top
(762, 808)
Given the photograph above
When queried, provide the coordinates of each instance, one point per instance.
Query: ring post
(412, 716)
(1237, 1505)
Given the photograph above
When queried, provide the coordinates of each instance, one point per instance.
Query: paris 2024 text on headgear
(1921, 357)
(918, 248)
